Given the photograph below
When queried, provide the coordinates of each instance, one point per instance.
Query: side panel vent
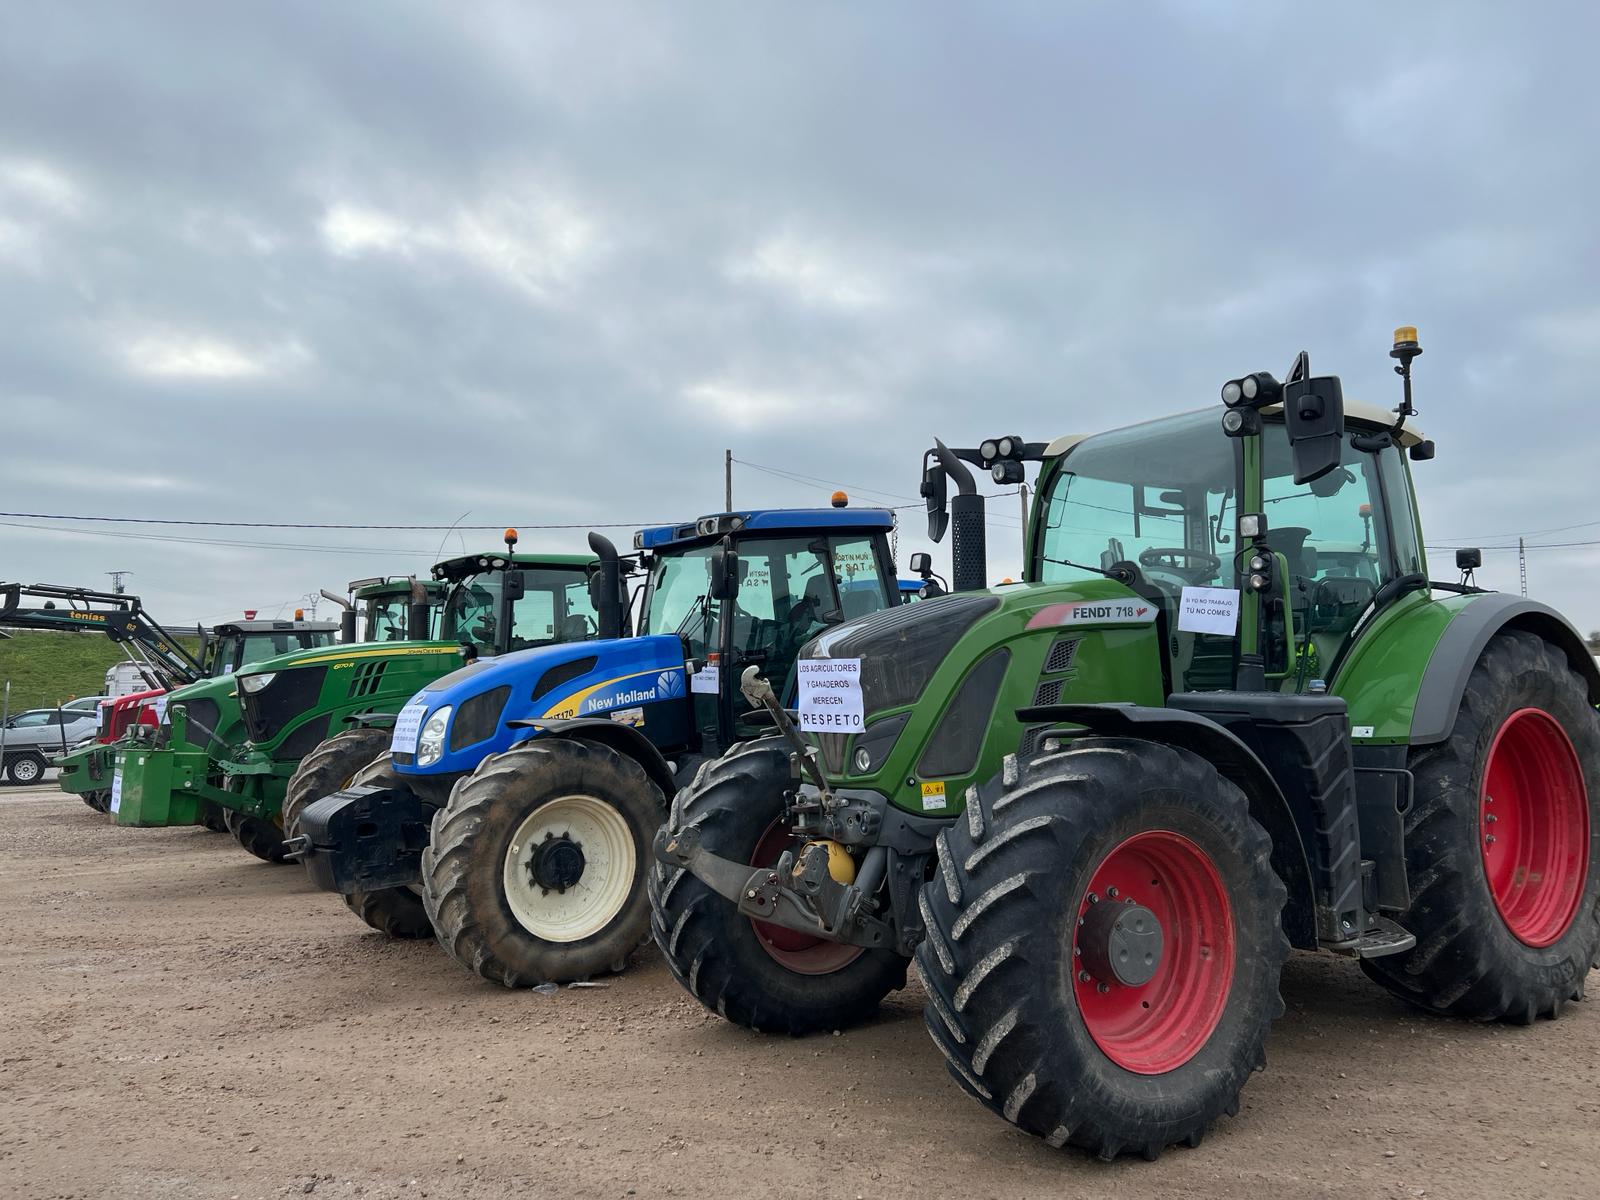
(1061, 657)
(1048, 692)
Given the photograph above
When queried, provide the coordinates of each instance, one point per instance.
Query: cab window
(1341, 538)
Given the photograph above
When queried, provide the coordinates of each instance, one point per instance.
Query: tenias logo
(670, 684)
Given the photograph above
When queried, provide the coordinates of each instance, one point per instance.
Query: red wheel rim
(1533, 827)
(799, 952)
(1160, 1025)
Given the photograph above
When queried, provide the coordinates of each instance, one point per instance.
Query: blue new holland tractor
(514, 815)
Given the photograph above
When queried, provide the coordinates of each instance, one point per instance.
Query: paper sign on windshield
(830, 694)
(407, 728)
(1209, 610)
(707, 680)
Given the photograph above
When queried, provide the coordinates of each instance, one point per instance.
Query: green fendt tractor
(1101, 806)
(237, 742)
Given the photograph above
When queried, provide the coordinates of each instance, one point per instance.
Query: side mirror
(1469, 559)
(516, 587)
(935, 491)
(1314, 411)
(724, 571)
(922, 564)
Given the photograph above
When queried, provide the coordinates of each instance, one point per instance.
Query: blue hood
(574, 679)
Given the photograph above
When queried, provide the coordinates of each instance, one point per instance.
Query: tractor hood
(941, 680)
(345, 655)
(573, 679)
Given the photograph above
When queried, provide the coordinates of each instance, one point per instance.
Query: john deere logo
(669, 684)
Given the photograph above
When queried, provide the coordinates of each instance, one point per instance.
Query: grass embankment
(52, 668)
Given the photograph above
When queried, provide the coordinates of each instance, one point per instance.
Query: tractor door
(1337, 541)
(1162, 498)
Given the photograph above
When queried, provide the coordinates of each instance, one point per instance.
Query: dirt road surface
(179, 1020)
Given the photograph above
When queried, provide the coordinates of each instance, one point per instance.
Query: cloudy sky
(408, 263)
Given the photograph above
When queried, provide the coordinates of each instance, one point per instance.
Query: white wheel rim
(589, 905)
(27, 770)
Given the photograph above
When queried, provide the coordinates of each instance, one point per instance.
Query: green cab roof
(470, 564)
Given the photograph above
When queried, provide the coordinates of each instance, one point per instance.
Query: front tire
(1501, 851)
(756, 975)
(98, 799)
(536, 868)
(357, 756)
(261, 837)
(1104, 946)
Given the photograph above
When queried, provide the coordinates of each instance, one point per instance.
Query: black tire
(357, 756)
(1467, 961)
(261, 837)
(714, 951)
(98, 799)
(25, 768)
(465, 865)
(213, 817)
(1003, 917)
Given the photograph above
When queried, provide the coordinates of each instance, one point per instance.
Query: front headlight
(430, 742)
(251, 684)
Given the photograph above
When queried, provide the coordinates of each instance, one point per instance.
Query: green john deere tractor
(1099, 807)
(237, 741)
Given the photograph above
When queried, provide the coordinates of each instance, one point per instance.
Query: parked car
(33, 737)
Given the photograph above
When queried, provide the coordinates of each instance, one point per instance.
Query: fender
(1457, 651)
(1235, 761)
(624, 739)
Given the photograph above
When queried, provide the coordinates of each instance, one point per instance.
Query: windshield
(1160, 495)
(553, 607)
(787, 593)
(235, 650)
(386, 618)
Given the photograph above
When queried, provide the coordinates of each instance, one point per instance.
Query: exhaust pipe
(347, 619)
(969, 547)
(605, 586)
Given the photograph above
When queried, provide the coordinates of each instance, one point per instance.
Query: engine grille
(267, 713)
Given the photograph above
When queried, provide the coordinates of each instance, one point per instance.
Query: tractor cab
(382, 609)
(752, 588)
(1158, 505)
(231, 646)
(500, 603)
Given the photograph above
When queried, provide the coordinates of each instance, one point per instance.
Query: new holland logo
(670, 684)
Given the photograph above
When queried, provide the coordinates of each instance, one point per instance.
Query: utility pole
(727, 481)
(116, 581)
(1522, 564)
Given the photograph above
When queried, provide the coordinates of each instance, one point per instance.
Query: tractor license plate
(116, 790)
(407, 728)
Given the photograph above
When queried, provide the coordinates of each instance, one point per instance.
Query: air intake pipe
(605, 586)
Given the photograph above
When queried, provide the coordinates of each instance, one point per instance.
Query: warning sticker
(933, 795)
(830, 694)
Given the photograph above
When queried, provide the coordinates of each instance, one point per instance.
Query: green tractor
(236, 742)
(1098, 808)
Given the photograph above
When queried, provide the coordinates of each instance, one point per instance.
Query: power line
(308, 525)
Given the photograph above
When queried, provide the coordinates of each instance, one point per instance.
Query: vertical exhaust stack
(605, 586)
(347, 619)
(969, 548)
(419, 614)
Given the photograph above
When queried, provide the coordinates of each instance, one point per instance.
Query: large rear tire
(760, 976)
(357, 756)
(1057, 1004)
(1501, 846)
(536, 869)
(258, 835)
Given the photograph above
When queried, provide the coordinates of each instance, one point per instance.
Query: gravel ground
(179, 1020)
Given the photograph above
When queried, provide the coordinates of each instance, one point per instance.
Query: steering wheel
(1180, 559)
